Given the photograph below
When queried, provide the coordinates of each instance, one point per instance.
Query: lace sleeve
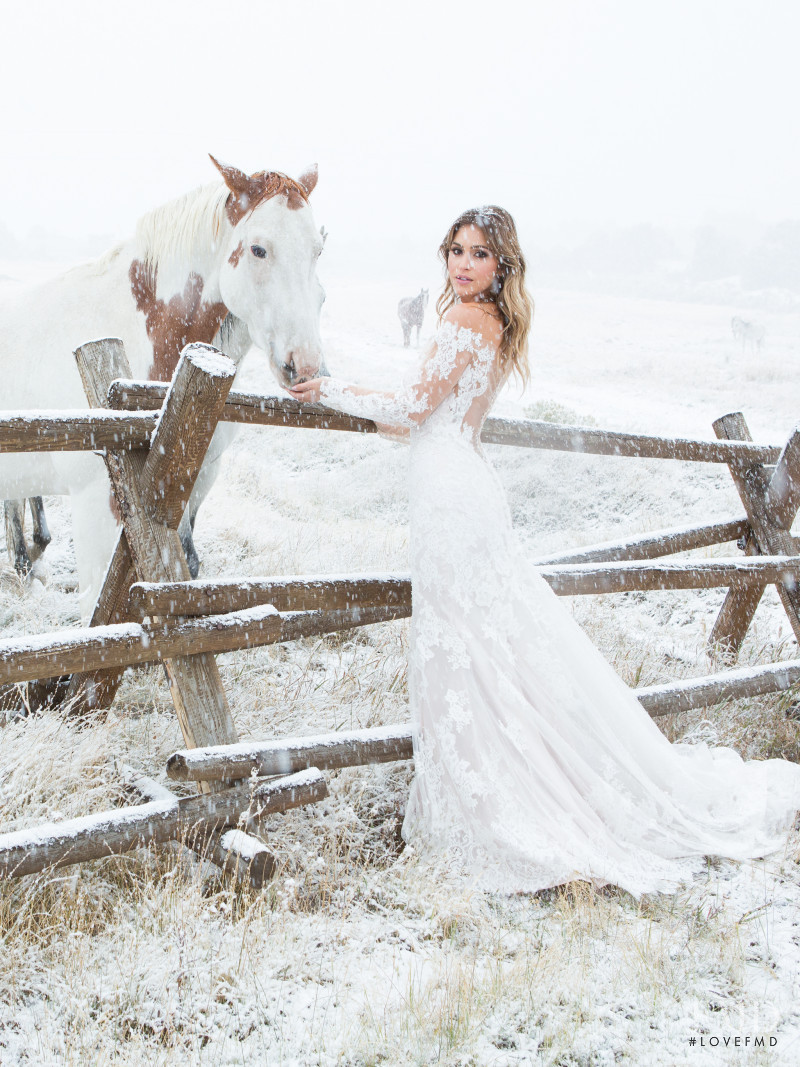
(454, 350)
(399, 434)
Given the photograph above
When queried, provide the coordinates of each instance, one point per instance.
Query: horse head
(268, 275)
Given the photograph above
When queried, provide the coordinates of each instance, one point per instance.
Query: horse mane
(172, 232)
(172, 235)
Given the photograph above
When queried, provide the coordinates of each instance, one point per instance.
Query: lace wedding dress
(535, 764)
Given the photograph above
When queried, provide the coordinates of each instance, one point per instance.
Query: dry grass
(357, 954)
(552, 411)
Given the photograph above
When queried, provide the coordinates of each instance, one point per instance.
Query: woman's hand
(308, 392)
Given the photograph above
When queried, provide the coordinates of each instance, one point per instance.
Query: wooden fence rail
(328, 592)
(395, 742)
(92, 430)
(75, 431)
(741, 683)
(100, 648)
(122, 829)
(258, 409)
(353, 748)
(655, 544)
(223, 616)
(579, 579)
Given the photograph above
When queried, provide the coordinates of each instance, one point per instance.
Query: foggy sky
(571, 113)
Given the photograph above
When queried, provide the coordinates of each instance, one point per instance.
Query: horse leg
(15, 536)
(223, 437)
(185, 531)
(94, 534)
(41, 532)
(406, 335)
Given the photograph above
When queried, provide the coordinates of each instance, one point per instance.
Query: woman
(535, 764)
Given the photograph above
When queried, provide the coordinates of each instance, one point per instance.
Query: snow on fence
(163, 817)
(155, 436)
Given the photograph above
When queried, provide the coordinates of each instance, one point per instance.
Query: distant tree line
(651, 254)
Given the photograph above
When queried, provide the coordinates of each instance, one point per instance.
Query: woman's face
(470, 264)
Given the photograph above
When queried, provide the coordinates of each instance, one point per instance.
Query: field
(359, 953)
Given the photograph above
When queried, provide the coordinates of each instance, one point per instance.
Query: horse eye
(258, 251)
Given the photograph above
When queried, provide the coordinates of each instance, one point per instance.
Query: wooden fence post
(152, 489)
(99, 363)
(165, 476)
(783, 493)
(771, 504)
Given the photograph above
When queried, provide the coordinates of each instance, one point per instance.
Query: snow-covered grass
(359, 953)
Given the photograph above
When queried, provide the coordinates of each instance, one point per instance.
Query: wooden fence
(154, 437)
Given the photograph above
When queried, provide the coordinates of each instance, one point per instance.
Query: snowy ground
(358, 954)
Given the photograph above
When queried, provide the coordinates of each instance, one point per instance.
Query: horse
(231, 264)
(747, 332)
(411, 311)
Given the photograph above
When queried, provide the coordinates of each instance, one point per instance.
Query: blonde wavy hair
(508, 289)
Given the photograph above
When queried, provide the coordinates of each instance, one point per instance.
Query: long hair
(508, 289)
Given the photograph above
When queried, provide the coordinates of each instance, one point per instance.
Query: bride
(535, 764)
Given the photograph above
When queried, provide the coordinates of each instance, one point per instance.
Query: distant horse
(752, 333)
(411, 311)
(232, 264)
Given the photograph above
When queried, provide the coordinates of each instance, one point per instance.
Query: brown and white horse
(232, 264)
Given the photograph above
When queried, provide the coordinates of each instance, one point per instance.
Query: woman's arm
(410, 406)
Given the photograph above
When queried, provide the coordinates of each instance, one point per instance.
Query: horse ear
(308, 179)
(237, 181)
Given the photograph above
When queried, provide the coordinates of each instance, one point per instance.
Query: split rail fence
(154, 437)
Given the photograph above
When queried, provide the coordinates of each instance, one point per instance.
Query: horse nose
(302, 368)
(294, 376)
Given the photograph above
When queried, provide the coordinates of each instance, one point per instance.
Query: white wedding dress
(535, 764)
